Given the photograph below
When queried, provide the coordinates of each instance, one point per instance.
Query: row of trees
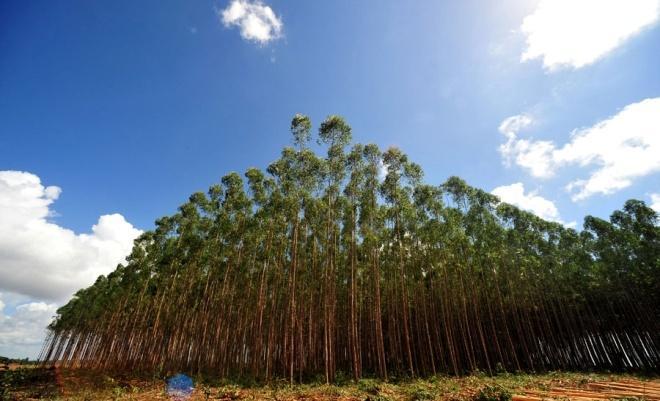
(350, 262)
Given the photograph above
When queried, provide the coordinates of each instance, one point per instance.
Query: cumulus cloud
(23, 333)
(655, 202)
(43, 260)
(256, 21)
(576, 33)
(620, 149)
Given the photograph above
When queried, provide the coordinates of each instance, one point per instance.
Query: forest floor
(36, 384)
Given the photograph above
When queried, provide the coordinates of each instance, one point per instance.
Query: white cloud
(382, 170)
(531, 201)
(22, 334)
(43, 260)
(576, 33)
(256, 20)
(513, 124)
(655, 202)
(527, 154)
(621, 148)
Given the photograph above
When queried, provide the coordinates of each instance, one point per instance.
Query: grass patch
(493, 393)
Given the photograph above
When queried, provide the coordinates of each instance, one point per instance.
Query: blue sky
(127, 108)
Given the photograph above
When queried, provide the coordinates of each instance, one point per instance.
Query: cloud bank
(619, 149)
(42, 260)
(256, 21)
(576, 33)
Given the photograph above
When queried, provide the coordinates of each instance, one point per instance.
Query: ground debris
(627, 390)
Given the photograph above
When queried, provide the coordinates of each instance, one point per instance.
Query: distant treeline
(349, 262)
(24, 361)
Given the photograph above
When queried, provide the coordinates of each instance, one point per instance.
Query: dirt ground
(57, 384)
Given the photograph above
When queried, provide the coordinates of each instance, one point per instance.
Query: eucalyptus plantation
(349, 262)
